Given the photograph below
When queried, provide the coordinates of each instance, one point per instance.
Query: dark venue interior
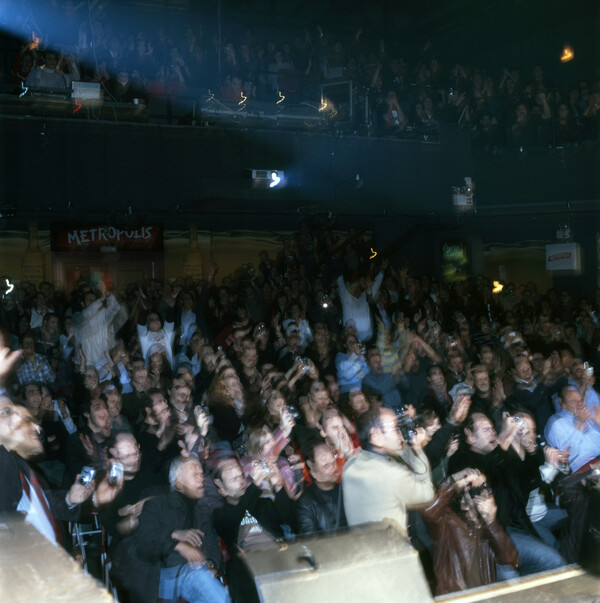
(274, 271)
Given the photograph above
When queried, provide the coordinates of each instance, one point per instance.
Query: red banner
(102, 237)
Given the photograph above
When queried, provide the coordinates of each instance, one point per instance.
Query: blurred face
(156, 361)
(47, 405)
(359, 404)
(233, 482)
(334, 428)
(231, 379)
(578, 371)
(18, 430)
(249, 357)
(99, 418)
(180, 393)
(456, 364)
(529, 434)
(437, 379)
(90, 379)
(187, 377)
(28, 347)
(325, 469)
(387, 436)
(52, 324)
(482, 381)
(352, 345)
(292, 340)
(567, 359)
(266, 440)
(572, 402)
(434, 426)
(375, 360)
(276, 404)
(139, 372)
(51, 60)
(127, 452)
(320, 396)
(483, 437)
(333, 388)
(208, 359)
(114, 403)
(153, 322)
(523, 370)
(33, 399)
(196, 342)
(160, 408)
(521, 112)
(191, 480)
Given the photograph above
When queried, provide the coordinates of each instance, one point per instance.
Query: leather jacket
(462, 551)
(317, 512)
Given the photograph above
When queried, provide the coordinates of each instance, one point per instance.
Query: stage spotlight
(268, 178)
(275, 180)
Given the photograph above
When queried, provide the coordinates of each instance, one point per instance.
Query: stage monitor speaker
(33, 570)
(372, 562)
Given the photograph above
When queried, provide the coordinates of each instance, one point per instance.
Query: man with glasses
(388, 475)
(121, 518)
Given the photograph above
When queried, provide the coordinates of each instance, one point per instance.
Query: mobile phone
(87, 475)
(115, 475)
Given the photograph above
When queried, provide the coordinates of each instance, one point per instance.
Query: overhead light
(268, 178)
(275, 180)
(567, 54)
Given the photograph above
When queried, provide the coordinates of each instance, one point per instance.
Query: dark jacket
(457, 545)
(316, 511)
(536, 400)
(510, 478)
(152, 547)
(11, 467)
(270, 514)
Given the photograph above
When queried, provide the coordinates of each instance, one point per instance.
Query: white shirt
(35, 514)
(357, 309)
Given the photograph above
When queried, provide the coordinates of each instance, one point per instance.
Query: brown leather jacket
(458, 546)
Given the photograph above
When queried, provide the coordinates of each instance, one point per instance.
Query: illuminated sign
(455, 261)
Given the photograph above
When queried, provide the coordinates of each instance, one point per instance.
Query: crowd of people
(404, 94)
(319, 390)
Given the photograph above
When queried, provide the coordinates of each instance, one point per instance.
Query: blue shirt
(351, 370)
(590, 396)
(383, 385)
(583, 445)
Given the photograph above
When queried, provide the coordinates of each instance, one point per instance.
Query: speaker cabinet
(371, 562)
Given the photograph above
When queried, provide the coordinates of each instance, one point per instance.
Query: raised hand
(486, 507)
(8, 360)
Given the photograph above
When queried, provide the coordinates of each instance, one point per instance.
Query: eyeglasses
(131, 455)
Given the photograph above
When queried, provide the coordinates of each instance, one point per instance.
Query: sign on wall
(81, 236)
(455, 261)
(563, 256)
